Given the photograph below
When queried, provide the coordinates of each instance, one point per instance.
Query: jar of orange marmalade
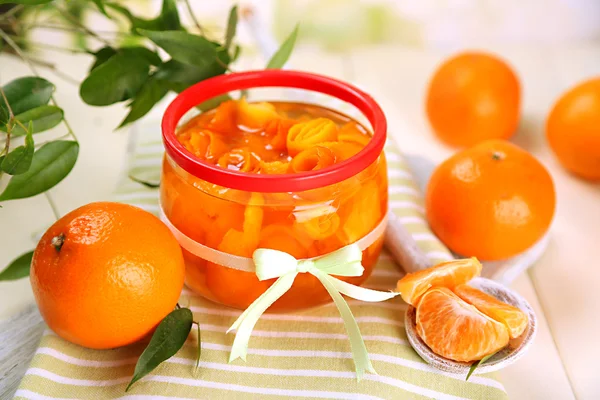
(295, 177)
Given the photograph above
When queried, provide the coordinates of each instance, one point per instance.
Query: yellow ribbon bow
(277, 264)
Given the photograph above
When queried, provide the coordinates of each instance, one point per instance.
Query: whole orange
(491, 201)
(573, 129)
(106, 274)
(473, 97)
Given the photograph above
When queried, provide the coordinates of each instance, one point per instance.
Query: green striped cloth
(298, 355)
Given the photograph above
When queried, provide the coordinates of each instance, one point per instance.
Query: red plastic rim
(299, 182)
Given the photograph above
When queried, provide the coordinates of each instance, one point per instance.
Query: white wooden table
(562, 287)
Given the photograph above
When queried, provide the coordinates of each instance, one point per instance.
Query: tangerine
(514, 319)
(573, 129)
(448, 274)
(491, 201)
(105, 274)
(455, 329)
(473, 97)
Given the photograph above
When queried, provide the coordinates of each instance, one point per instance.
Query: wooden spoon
(407, 253)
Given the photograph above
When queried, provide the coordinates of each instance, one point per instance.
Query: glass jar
(305, 214)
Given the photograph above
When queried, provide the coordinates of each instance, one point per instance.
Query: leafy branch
(134, 74)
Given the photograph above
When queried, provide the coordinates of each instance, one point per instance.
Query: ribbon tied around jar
(269, 264)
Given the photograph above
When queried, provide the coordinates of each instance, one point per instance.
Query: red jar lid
(299, 182)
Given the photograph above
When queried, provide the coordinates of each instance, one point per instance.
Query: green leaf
(169, 16)
(42, 117)
(150, 185)
(167, 20)
(199, 350)
(120, 78)
(150, 94)
(477, 364)
(143, 52)
(51, 164)
(179, 76)
(102, 56)
(18, 268)
(19, 160)
(185, 47)
(283, 54)
(23, 94)
(169, 337)
(231, 26)
(236, 53)
(105, 53)
(101, 8)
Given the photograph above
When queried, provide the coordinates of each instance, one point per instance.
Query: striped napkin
(299, 355)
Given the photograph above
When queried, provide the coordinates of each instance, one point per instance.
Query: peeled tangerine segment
(306, 134)
(283, 238)
(320, 227)
(206, 144)
(343, 150)
(312, 159)
(255, 115)
(238, 288)
(240, 160)
(224, 119)
(455, 329)
(364, 214)
(514, 319)
(448, 274)
(274, 167)
(253, 218)
(277, 129)
(353, 133)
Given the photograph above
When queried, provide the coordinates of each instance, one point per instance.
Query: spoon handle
(403, 247)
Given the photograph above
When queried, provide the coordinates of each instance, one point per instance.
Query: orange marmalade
(272, 138)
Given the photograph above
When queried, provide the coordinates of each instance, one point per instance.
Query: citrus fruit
(106, 274)
(491, 201)
(473, 97)
(573, 129)
(457, 330)
(447, 274)
(514, 319)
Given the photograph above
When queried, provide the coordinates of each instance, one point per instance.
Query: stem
(63, 137)
(20, 53)
(222, 64)
(58, 241)
(11, 12)
(11, 117)
(18, 50)
(189, 8)
(78, 24)
(52, 205)
(73, 29)
(49, 46)
(10, 111)
(21, 125)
